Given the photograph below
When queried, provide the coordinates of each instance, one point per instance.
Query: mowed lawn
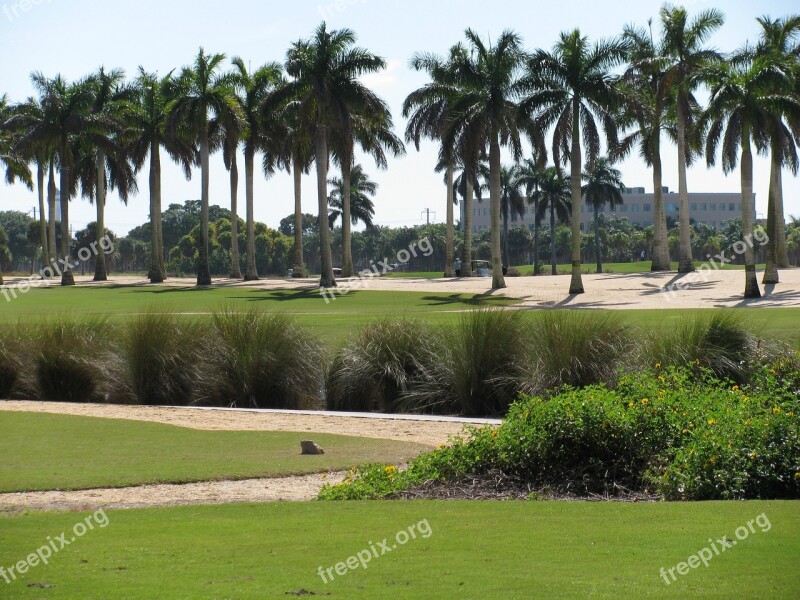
(472, 550)
(333, 323)
(48, 452)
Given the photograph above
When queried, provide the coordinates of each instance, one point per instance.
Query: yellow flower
(797, 475)
(494, 433)
(752, 455)
(736, 388)
(697, 362)
(390, 470)
(630, 405)
(645, 401)
(776, 410)
(658, 365)
(712, 421)
(662, 379)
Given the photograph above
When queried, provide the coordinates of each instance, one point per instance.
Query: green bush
(376, 370)
(162, 353)
(260, 360)
(670, 432)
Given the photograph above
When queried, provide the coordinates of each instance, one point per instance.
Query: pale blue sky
(75, 37)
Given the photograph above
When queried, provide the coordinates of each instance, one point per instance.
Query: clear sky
(75, 37)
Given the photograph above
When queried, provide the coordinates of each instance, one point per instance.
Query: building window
(647, 208)
(732, 207)
(694, 206)
(713, 207)
(623, 208)
(582, 227)
(704, 207)
(721, 208)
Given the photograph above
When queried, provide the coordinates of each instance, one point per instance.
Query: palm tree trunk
(250, 272)
(553, 260)
(52, 251)
(685, 261)
(536, 237)
(203, 273)
(466, 265)
(236, 270)
(42, 218)
(347, 243)
(506, 260)
(498, 281)
(780, 220)
(449, 249)
(155, 273)
(297, 171)
(326, 278)
(751, 282)
(661, 260)
(597, 249)
(100, 273)
(576, 284)
(67, 278)
(771, 274)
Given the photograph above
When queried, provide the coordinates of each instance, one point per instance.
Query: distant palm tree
(602, 186)
(569, 89)
(260, 133)
(683, 48)
(747, 92)
(203, 96)
(361, 188)
(512, 203)
(15, 166)
(554, 195)
(529, 176)
(648, 106)
(325, 72)
(147, 127)
(779, 38)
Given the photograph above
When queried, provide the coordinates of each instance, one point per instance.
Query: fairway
(46, 452)
(472, 550)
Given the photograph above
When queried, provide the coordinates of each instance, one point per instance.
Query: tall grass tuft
(74, 361)
(576, 348)
(377, 369)
(260, 360)
(161, 353)
(717, 340)
(480, 365)
(10, 362)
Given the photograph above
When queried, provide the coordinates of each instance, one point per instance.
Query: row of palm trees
(481, 98)
(484, 97)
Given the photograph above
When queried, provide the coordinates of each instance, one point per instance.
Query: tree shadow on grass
(486, 299)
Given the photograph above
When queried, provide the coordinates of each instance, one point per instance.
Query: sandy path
(704, 289)
(296, 488)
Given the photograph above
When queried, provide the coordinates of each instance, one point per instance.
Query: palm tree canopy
(554, 190)
(15, 166)
(362, 187)
(603, 185)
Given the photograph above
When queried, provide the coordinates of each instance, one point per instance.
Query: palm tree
(529, 176)
(603, 185)
(747, 93)
(361, 206)
(147, 127)
(325, 72)
(485, 111)
(569, 89)
(683, 48)
(227, 137)
(779, 39)
(254, 92)
(203, 96)
(553, 194)
(648, 106)
(512, 203)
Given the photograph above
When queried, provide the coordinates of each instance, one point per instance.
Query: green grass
(475, 550)
(45, 452)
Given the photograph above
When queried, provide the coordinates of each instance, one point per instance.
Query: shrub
(576, 348)
(74, 361)
(716, 340)
(10, 362)
(376, 370)
(260, 360)
(161, 353)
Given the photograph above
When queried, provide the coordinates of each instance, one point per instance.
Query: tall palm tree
(325, 72)
(569, 89)
(361, 207)
(485, 109)
(553, 194)
(512, 203)
(602, 186)
(226, 137)
(649, 110)
(683, 47)
(746, 93)
(529, 176)
(147, 128)
(779, 38)
(260, 130)
(203, 96)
